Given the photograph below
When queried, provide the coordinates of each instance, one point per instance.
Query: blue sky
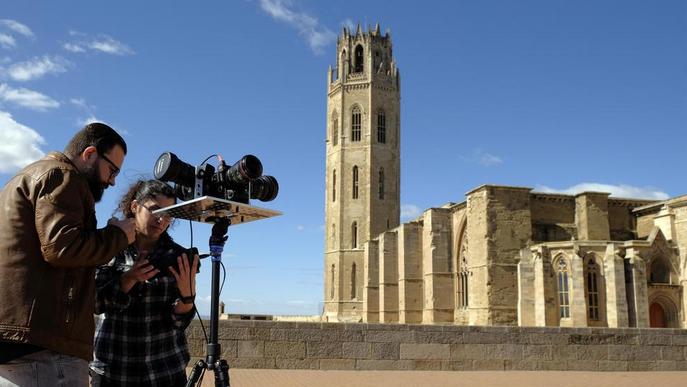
(555, 95)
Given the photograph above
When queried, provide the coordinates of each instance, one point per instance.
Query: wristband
(188, 300)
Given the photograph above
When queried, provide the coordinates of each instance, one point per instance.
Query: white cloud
(72, 47)
(19, 144)
(620, 191)
(488, 160)
(16, 27)
(36, 68)
(6, 41)
(102, 43)
(300, 227)
(410, 211)
(26, 98)
(307, 26)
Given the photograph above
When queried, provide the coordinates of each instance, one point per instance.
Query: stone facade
(510, 256)
(363, 163)
(504, 256)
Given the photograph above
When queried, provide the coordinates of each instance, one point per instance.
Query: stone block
(591, 352)
(386, 351)
(610, 365)
(488, 365)
(249, 362)
(425, 351)
(672, 353)
(521, 365)
(251, 348)
(537, 352)
(467, 351)
(229, 348)
(654, 339)
(337, 364)
(438, 337)
(285, 349)
(390, 336)
(356, 350)
(364, 364)
(324, 350)
(458, 365)
(296, 364)
(504, 351)
(428, 365)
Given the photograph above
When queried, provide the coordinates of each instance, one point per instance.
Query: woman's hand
(141, 271)
(186, 280)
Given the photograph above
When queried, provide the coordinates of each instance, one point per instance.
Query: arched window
(334, 185)
(355, 124)
(335, 128)
(342, 62)
(358, 59)
(563, 289)
(353, 284)
(593, 290)
(332, 239)
(381, 127)
(354, 235)
(660, 273)
(331, 283)
(355, 182)
(463, 272)
(381, 183)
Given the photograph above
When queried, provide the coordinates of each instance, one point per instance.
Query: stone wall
(328, 346)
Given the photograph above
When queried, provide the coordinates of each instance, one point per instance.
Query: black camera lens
(169, 167)
(244, 170)
(264, 188)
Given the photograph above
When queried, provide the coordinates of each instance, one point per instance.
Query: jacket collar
(61, 157)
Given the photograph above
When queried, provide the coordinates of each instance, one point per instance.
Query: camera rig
(220, 197)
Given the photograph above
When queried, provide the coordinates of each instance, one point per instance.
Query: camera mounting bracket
(208, 209)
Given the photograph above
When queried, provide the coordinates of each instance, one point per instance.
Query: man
(49, 247)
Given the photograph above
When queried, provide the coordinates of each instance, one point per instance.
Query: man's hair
(96, 134)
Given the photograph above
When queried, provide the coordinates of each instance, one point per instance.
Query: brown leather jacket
(49, 247)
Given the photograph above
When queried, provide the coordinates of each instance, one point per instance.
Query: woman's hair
(141, 191)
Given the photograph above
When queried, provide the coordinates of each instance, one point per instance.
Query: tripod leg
(195, 373)
(222, 373)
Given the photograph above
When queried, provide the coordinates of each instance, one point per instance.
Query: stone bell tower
(363, 163)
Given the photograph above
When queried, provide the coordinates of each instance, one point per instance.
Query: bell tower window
(355, 124)
(358, 68)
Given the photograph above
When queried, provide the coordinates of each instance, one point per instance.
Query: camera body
(239, 183)
(164, 261)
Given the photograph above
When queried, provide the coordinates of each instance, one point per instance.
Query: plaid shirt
(139, 340)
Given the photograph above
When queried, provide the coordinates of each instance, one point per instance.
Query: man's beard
(95, 185)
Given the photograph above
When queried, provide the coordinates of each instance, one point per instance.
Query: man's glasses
(163, 217)
(114, 169)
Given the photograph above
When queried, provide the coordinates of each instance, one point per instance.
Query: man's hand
(127, 225)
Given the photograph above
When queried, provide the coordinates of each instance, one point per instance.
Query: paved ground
(298, 378)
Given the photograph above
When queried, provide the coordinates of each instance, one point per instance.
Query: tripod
(213, 360)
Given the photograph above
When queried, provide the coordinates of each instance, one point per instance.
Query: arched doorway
(657, 316)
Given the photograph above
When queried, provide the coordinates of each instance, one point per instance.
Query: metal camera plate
(207, 208)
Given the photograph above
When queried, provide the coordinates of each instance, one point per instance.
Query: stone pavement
(300, 378)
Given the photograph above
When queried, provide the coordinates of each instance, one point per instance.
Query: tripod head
(219, 236)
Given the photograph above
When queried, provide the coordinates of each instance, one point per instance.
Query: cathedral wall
(645, 223)
(502, 227)
(591, 216)
(553, 217)
(621, 221)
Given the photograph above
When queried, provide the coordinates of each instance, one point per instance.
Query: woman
(140, 339)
